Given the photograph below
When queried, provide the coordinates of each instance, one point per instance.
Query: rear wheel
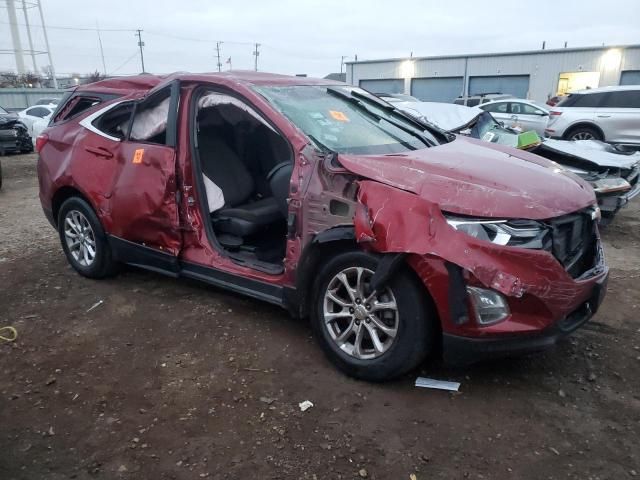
(584, 133)
(371, 335)
(83, 239)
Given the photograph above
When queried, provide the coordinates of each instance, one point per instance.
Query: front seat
(240, 216)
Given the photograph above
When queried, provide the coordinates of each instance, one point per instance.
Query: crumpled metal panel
(391, 220)
(482, 179)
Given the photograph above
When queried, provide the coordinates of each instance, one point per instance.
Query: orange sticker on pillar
(137, 155)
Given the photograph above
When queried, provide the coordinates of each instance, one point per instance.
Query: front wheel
(371, 335)
(83, 239)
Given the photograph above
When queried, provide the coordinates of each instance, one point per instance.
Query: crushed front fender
(392, 220)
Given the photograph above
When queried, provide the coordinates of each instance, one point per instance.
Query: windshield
(347, 119)
(3, 111)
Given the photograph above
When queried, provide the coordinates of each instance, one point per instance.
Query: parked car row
(610, 114)
(14, 135)
(398, 239)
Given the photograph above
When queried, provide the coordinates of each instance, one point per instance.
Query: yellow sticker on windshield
(337, 115)
(137, 155)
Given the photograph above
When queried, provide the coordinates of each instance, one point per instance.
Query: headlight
(516, 233)
(607, 185)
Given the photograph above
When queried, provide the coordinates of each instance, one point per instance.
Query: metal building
(537, 75)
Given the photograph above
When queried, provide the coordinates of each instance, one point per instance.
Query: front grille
(574, 241)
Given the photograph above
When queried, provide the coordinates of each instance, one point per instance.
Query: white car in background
(30, 115)
(39, 125)
(609, 114)
(517, 113)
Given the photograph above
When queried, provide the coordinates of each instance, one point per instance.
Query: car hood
(593, 153)
(471, 177)
(447, 116)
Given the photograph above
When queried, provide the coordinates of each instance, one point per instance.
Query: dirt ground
(171, 379)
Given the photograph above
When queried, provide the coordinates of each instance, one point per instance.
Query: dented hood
(471, 177)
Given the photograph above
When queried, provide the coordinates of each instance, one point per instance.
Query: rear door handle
(99, 151)
(604, 116)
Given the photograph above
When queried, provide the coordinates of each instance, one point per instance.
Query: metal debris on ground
(8, 334)
(306, 405)
(425, 382)
(95, 305)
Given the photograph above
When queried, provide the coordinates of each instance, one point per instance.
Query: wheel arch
(63, 194)
(342, 239)
(584, 123)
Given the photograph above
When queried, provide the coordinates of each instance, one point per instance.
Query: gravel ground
(171, 379)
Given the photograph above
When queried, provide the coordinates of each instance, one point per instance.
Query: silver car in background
(519, 114)
(610, 114)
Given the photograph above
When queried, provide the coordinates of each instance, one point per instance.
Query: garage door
(630, 77)
(395, 85)
(441, 89)
(516, 85)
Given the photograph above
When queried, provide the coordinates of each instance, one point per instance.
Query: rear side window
(38, 112)
(115, 122)
(495, 107)
(459, 101)
(579, 100)
(472, 102)
(151, 118)
(623, 99)
(73, 105)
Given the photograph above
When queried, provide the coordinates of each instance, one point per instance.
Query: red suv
(396, 239)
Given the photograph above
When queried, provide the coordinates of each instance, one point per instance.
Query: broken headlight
(608, 185)
(514, 233)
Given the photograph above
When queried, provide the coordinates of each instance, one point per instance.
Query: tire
(584, 133)
(77, 218)
(413, 319)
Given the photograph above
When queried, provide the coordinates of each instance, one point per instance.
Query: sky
(305, 37)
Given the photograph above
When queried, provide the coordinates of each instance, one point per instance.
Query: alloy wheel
(582, 136)
(361, 322)
(80, 238)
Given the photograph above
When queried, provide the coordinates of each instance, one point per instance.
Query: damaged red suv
(396, 239)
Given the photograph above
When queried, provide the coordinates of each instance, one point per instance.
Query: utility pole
(104, 65)
(342, 62)
(218, 53)
(255, 54)
(140, 44)
(46, 42)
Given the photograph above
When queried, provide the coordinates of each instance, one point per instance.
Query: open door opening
(245, 170)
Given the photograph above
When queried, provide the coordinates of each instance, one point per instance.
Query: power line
(83, 29)
(191, 39)
(135, 54)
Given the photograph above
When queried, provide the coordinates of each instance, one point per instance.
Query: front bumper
(12, 144)
(460, 351)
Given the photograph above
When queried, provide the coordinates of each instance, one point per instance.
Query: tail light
(555, 113)
(41, 141)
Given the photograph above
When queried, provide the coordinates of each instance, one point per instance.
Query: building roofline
(495, 54)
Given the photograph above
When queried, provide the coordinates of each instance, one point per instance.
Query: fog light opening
(489, 306)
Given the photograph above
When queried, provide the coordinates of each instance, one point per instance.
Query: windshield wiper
(414, 133)
(320, 145)
(399, 113)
